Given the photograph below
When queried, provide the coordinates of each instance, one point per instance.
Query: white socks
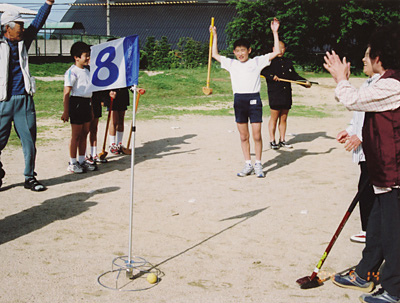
(81, 159)
(112, 139)
(120, 135)
(93, 150)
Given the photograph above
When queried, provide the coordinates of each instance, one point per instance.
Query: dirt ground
(209, 235)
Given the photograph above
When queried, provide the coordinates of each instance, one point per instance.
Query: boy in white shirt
(246, 84)
(78, 106)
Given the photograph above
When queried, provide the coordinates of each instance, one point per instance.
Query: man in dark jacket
(381, 144)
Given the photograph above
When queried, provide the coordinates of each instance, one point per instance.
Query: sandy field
(209, 235)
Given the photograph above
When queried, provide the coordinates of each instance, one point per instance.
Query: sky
(58, 10)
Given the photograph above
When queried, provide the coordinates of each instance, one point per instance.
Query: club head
(307, 282)
(207, 91)
(103, 155)
(126, 151)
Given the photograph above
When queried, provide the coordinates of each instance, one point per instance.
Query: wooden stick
(103, 154)
(292, 81)
(207, 90)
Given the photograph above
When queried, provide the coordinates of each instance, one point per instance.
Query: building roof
(171, 19)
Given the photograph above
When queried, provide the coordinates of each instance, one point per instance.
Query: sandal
(34, 184)
(2, 174)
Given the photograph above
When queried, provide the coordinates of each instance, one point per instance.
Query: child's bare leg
(76, 130)
(272, 123)
(83, 139)
(120, 126)
(120, 121)
(244, 139)
(257, 137)
(93, 132)
(93, 136)
(283, 124)
(112, 130)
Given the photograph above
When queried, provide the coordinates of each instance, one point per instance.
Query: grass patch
(14, 140)
(309, 111)
(49, 69)
(171, 93)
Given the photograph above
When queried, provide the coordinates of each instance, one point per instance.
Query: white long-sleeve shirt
(356, 125)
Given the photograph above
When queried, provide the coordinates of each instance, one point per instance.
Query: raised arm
(215, 53)
(274, 27)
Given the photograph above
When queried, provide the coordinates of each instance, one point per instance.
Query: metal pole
(108, 18)
(133, 130)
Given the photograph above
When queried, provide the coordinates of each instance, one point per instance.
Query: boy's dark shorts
(96, 104)
(248, 106)
(280, 106)
(80, 110)
(121, 102)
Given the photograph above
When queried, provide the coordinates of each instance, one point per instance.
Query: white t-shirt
(79, 80)
(245, 77)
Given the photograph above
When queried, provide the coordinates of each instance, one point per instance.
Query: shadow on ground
(37, 217)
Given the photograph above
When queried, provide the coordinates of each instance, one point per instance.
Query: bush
(158, 54)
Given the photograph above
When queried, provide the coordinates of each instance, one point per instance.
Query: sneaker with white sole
(284, 144)
(75, 168)
(114, 149)
(258, 169)
(90, 160)
(380, 296)
(353, 281)
(359, 238)
(273, 145)
(86, 166)
(246, 171)
(97, 159)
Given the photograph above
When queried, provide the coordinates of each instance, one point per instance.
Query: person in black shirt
(280, 95)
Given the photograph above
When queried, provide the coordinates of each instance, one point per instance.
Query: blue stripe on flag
(132, 58)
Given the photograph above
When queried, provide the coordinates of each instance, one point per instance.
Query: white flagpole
(132, 147)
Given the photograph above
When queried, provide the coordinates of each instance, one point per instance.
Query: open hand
(352, 143)
(342, 136)
(340, 70)
(275, 25)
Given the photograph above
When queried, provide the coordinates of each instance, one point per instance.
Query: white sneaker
(75, 168)
(359, 238)
(247, 170)
(258, 169)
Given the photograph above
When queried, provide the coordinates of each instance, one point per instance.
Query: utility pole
(108, 18)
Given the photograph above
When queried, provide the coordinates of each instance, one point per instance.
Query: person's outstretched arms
(274, 27)
(215, 53)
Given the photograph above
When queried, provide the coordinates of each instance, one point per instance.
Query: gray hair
(4, 28)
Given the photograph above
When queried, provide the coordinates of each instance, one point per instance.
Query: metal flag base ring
(129, 275)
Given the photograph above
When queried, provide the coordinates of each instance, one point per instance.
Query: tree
(310, 27)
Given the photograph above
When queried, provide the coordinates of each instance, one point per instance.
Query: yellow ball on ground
(152, 278)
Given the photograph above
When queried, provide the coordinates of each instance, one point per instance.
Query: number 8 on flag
(115, 64)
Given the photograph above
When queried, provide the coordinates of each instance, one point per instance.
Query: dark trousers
(383, 242)
(367, 197)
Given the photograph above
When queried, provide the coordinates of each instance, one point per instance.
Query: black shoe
(2, 174)
(273, 145)
(34, 185)
(284, 144)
